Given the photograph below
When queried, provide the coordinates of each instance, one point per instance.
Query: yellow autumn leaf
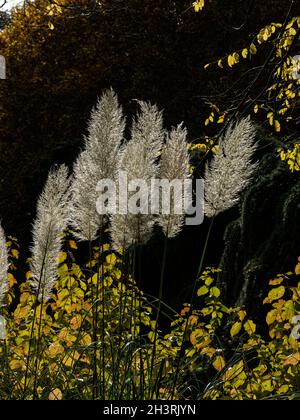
(253, 49)
(28, 275)
(16, 364)
(236, 57)
(276, 282)
(56, 394)
(271, 317)
(242, 315)
(245, 53)
(72, 358)
(11, 280)
(289, 310)
(292, 360)
(86, 340)
(234, 371)
(21, 312)
(195, 335)
(277, 126)
(15, 253)
(235, 329)
(221, 119)
(215, 292)
(193, 320)
(105, 247)
(209, 281)
(151, 336)
(76, 322)
(62, 257)
(55, 349)
(198, 5)
(283, 389)
(111, 259)
(203, 291)
(275, 294)
(219, 363)
(267, 385)
(209, 351)
(231, 60)
(65, 336)
(72, 244)
(250, 327)
(200, 338)
(270, 117)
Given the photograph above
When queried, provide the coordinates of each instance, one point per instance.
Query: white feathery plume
(51, 220)
(174, 165)
(230, 170)
(3, 267)
(147, 129)
(98, 161)
(138, 160)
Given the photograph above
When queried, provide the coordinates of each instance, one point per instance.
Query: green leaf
(209, 280)
(250, 327)
(235, 329)
(215, 292)
(203, 291)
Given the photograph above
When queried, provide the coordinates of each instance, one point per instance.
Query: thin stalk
(181, 351)
(122, 308)
(95, 338)
(38, 349)
(103, 315)
(34, 316)
(94, 334)
(160, 295)
(139, 276)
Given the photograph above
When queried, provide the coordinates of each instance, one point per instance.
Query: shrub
(225, 355)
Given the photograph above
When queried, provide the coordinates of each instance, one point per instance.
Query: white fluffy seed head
(174, 164)
(138, 160)
(98, 161)
(51, 220)
(3, 267)
(147, 129)
(230, 170)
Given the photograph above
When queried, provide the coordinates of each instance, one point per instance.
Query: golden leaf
(56, 394)
(76, 322)
(203, 291)
(292, 360)
(250, 327)
(235, 329)
(219, 363)
(72, 244)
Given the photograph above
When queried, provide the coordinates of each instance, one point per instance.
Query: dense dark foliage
(149, 50)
